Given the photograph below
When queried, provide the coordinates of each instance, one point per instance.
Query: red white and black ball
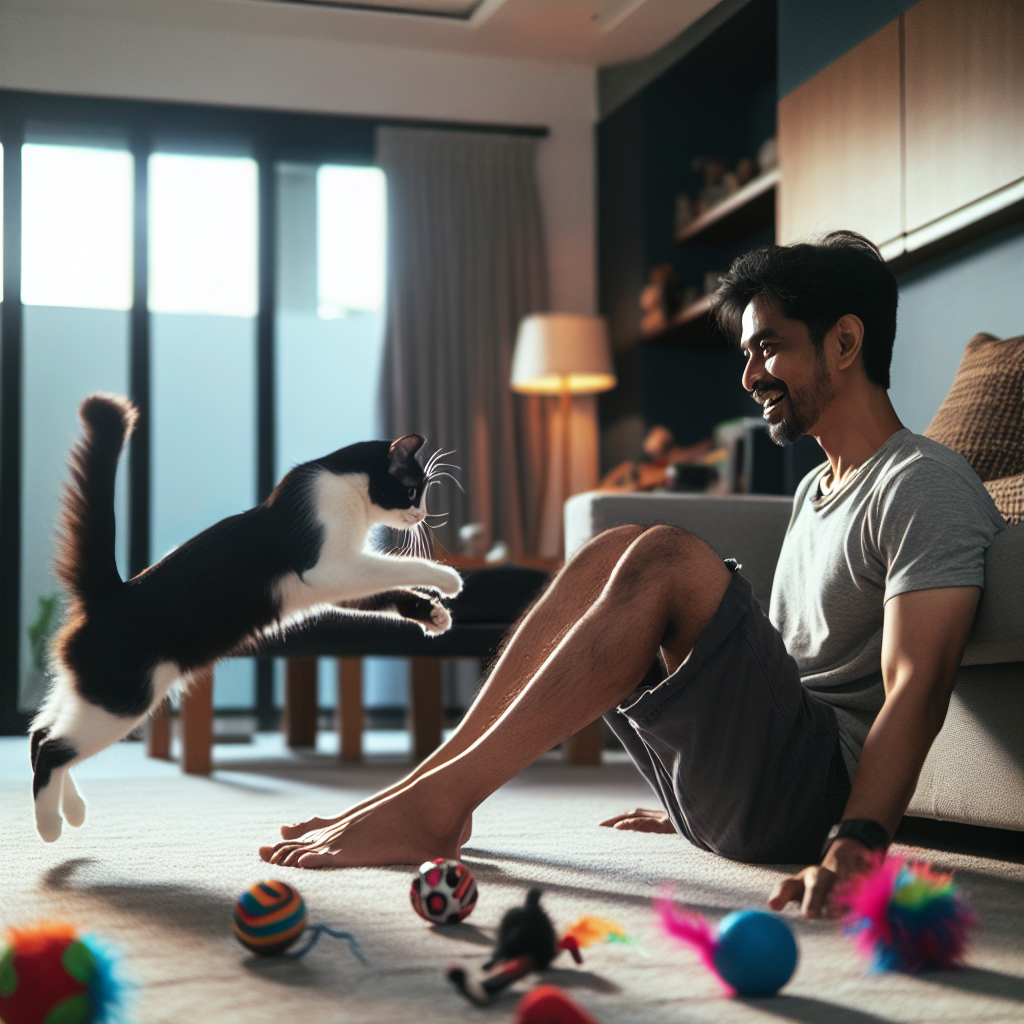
(443, 892)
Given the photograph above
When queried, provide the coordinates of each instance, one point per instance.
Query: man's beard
(806, 407)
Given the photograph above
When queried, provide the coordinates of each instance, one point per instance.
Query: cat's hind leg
(72, 805)
(52, 759)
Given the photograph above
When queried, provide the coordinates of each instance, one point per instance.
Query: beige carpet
(162, 857)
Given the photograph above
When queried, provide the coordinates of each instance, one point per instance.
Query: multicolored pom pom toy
(752, 953)
(907, 917)
(50, 973)
(270, 916)
(443, 892)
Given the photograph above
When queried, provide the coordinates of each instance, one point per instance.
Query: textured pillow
(982, 417)
(1008, 494)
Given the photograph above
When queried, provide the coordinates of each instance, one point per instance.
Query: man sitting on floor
(758, 733)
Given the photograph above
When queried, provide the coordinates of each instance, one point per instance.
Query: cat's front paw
(449, 581)
(440, 621)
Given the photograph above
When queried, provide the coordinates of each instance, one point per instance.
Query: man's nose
(753, 371)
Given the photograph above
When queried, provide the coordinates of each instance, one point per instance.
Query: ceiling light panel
(457, 10)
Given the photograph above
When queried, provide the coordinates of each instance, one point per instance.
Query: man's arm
(924, 634)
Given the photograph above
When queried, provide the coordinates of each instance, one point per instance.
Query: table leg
(585, 746)
(349, 715)
(425, 707)
(300, 702)
(197, 723)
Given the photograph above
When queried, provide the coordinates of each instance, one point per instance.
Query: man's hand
(812, 887)
(641, 820)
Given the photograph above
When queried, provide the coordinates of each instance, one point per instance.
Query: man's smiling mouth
(770, 399)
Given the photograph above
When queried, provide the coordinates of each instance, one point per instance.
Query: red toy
(548, 1004)
(49, 973)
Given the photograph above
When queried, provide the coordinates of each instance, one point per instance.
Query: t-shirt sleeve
(932, 529)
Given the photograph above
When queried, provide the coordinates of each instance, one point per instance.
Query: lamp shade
(562, 352)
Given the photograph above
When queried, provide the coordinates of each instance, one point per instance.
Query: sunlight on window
(1, 223)
(351, 239)
(76, 242)
(203, 234)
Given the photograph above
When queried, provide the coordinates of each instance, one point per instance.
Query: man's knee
(614, 540)
(666, 551)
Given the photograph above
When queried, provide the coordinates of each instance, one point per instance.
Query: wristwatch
(869, 833)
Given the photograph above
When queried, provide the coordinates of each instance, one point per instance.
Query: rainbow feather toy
(907, 917)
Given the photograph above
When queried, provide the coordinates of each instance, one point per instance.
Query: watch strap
(868, 833)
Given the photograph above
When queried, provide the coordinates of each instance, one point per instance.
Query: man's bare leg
(571, 593)
(663, 592)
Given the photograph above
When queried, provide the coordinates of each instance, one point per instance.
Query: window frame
(270, 137)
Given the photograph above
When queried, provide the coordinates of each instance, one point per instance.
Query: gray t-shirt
(914, 516)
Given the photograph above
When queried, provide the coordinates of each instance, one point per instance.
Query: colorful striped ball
(269, 917)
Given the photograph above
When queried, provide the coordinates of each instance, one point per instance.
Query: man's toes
(315, 860)
(266, 852)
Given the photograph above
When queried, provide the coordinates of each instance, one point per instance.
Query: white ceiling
(594, 33)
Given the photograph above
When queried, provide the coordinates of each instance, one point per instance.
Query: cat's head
(398, 490)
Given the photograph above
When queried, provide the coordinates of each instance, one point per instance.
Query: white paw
(440, 621)
(73, 807)
(48, 825)
(452, 581)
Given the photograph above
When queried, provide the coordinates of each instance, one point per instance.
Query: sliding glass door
(76, 290)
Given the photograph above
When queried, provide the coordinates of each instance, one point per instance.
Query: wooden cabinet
(839, 145)
(964, 82)
(915, 137)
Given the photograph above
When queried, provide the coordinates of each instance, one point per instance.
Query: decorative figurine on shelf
(659, 300)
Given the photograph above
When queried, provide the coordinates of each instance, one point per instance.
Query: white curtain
(466, 261)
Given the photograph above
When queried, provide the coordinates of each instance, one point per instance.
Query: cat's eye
(412, 493)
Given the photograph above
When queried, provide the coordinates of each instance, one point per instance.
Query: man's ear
(405, 447)
(848, 331)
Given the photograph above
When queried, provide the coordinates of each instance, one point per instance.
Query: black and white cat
(125, 645)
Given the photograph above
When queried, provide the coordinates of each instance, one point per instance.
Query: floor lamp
(565, 355)
(562, 354)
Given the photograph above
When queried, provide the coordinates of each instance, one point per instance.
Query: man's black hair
(817, 283)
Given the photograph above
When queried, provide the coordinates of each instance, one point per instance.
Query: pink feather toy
(906, 917)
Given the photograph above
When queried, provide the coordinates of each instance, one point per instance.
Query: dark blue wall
(813, 33)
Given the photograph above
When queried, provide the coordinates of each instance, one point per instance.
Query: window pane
(202, 297)
(76, 245)
(202, 234)
(351, 239)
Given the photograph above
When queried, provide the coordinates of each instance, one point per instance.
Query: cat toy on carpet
(443, 891)
(906, 917)
(526, 942)
(548, 1004)
(50, 974)
(751, 952)
(269, 918)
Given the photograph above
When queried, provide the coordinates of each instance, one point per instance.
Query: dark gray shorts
(745, 760)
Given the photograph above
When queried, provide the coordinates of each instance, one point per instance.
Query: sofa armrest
(747, 527)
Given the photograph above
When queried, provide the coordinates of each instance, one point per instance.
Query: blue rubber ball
(756, 952)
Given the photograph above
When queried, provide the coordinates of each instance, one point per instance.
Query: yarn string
(312, 937)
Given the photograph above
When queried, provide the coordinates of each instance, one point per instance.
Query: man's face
(785, 373)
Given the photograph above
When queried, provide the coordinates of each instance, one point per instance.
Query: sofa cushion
(982, 416)
(1008, 494)
(998, 632)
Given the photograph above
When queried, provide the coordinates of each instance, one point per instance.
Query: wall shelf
(690, 329)
(745, 211)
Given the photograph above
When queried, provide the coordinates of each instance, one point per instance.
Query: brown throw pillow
(1008, 494)
(982, 417)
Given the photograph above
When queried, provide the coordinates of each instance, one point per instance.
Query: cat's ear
(405, 448)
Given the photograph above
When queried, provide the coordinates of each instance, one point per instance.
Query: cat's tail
(85, 562)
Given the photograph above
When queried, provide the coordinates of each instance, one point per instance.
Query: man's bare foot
(641, 820)
(393, 831)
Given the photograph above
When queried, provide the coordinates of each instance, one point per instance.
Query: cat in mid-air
(125, 644)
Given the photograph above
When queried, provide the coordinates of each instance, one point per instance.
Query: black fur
(208, 596)
(49, 755)
(526, 930)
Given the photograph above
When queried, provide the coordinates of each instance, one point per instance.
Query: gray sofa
(975, 771)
